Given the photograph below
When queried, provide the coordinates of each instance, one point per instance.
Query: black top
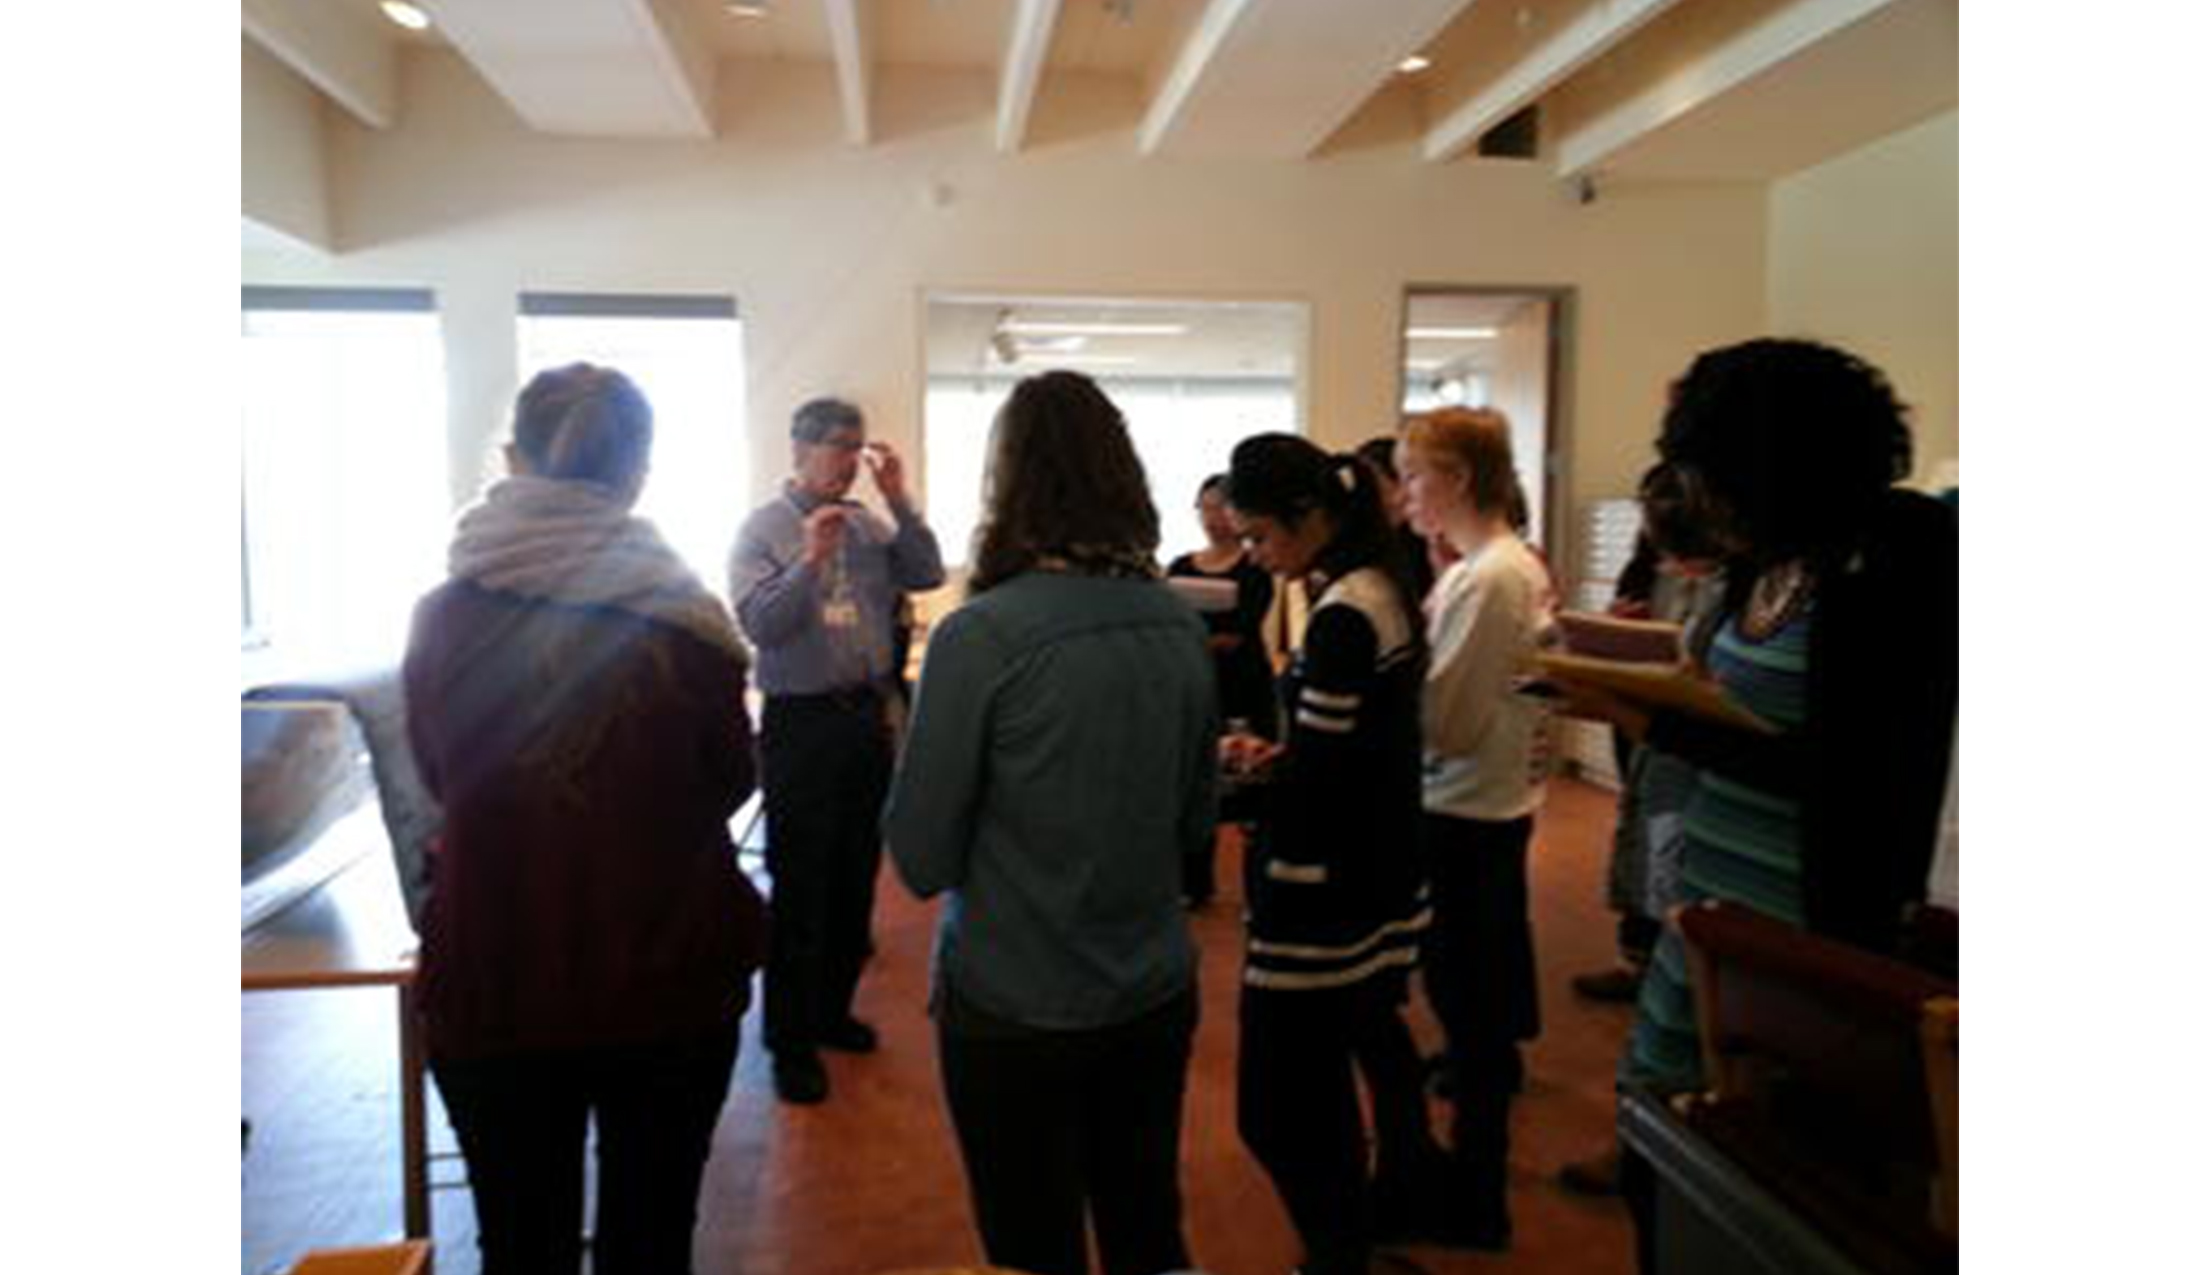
(1336, 890)
(1244, 678)
(1870, 765)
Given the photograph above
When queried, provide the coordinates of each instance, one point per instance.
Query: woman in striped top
(1838, 628)
(1336, 897)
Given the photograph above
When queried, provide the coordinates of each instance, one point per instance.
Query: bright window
(1192, 379)
(684, 353)
(346, 505)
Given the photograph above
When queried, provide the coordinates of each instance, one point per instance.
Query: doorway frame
(1558, 398)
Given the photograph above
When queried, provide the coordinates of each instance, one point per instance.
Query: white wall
(828, 248)
(284, 185)
(1863, 255)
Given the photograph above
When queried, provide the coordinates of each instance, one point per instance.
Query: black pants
(1480, 971)
(827, 762)
(1397, 1082)
(1198, 883)
(1053, 1123)
(522, 1123)
(1298, 1107)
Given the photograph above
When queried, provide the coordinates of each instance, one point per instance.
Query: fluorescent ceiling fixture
(1028, 327)
(1413, 65)
(408, 16)
(748, 10)
(1451, 334)
(1080, 360)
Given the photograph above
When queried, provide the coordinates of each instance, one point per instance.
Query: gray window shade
(624, 305)
(394, 300)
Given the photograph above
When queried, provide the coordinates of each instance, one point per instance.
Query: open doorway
(1503, 348)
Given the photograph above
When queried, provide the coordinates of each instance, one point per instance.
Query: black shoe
(1474, 1213)
(1616, 986)
(849, 1036)
(1406, 1193)
(1481, 1230)
(1598, 1175)
(799, 1078)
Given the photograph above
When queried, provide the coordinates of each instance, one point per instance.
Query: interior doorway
(1501, 347)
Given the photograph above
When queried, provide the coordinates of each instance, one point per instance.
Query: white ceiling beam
(1588, 37)
(1030, 32)
(1276, 78)
(854, 39)
(336, 48)
(1193, 62)
(1728, 66)
(589, 68)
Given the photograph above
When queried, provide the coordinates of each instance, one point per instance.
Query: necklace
(1778, 594)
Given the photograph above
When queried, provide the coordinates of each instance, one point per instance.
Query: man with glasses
(817, 580)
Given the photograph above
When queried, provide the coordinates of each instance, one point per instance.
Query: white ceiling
(1663, 89)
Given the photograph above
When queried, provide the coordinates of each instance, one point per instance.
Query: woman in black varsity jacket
(1336, 893)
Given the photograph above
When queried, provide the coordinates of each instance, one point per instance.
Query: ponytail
(1285, 477)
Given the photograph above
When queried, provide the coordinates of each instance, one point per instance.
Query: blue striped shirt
(1738, 844)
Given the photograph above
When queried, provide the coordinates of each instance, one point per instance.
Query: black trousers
(522, 1124)
(1479, 966)
(1053, 1124)
(1397, 1080)
(827, 762)
(1298, 1106)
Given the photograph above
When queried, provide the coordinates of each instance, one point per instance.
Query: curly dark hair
(1793, 441)
(1063, 482)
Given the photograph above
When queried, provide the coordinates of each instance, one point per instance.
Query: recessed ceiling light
(1451, 334)
(408, 16)
(1027, 327)
(1413, 65)
(748, 9)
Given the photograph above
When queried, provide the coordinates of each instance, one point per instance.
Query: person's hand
(887, 472)
(822, 531)
(1599, 704)
(1248, 754)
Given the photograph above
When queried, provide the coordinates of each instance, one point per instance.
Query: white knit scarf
(573, 542)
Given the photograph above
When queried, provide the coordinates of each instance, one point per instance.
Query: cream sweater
(1486, 748)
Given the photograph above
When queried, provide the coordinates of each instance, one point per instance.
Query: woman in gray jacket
(1059, 765)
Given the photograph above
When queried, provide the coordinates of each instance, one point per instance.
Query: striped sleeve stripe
(1298, 873)
(1312, 980)
(1313, 719)
(1414, 925)
(1331, 700)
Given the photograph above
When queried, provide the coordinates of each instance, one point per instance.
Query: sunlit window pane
(690, 369)
(1191, 378)
(346, 503)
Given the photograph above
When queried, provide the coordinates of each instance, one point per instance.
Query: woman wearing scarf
(575, 702)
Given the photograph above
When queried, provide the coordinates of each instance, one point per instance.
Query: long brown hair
(1063, 483)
